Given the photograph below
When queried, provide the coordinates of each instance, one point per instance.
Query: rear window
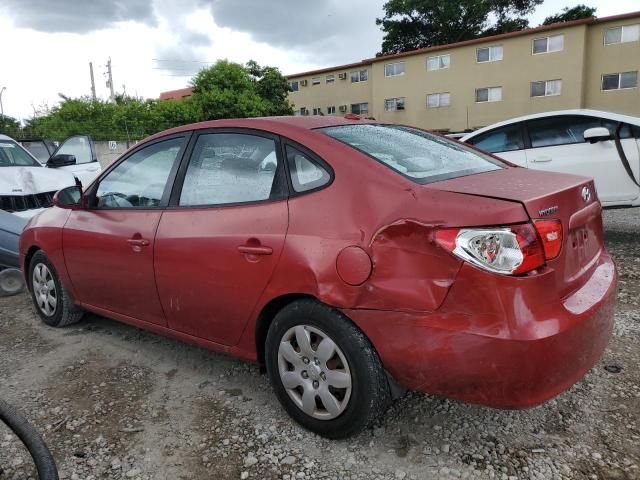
(420, 156)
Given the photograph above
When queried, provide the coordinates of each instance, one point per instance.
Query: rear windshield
(12, 155)
(418, 155)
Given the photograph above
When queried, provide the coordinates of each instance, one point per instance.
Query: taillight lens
(550, 232)
(511, 250)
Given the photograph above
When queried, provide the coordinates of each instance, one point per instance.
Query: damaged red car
(350, 258)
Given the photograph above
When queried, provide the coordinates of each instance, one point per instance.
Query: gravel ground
(115, 402)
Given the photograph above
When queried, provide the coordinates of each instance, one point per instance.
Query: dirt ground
(116, 402)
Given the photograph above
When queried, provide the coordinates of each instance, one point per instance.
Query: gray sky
(157, 45)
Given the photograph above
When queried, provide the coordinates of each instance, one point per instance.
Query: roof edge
(491, 38)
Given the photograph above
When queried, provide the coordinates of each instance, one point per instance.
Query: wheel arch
(266, 316)
(33, 249)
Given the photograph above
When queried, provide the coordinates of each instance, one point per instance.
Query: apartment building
(589, 63)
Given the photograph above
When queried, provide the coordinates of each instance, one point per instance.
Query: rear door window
(560, 130)
(232, 168)
(504, 139)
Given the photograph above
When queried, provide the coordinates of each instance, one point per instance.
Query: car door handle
(542, 159)
(138, 242)
(255, 250)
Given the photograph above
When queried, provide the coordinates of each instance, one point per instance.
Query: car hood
(31, 180)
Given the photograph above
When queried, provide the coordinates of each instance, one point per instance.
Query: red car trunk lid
(571, 199)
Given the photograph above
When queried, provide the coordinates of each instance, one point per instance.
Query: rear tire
(324, 371)
(50, 299)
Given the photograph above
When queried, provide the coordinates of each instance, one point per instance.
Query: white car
(26, 187)
(593, 143)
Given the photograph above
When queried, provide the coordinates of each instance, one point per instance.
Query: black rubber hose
(45, 464)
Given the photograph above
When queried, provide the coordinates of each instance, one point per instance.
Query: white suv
(26, 187)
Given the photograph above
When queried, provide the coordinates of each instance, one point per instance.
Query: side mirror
(597, 134)
(69, 197)
(61, 160)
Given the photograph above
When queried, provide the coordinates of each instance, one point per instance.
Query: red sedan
(346, 256)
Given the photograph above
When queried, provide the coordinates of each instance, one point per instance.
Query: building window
(304, 111)
(331, 110)
(548, 44)
(330, 78)
(394, 69)
(489, 54)
(360, 108)
(315, 81)
(438, 62)
(546, 88)
(489, 94)
(393, 104)
(317, 111)
(624, 34)
(359, 76)
(619, 81)
(295, 86)
(436, 100)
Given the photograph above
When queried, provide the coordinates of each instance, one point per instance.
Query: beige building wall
(579, 65)
(605, 59)
(339, 92)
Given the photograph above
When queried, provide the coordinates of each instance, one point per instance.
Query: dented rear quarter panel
(391, 218)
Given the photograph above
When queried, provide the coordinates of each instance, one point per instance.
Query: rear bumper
(497, 343)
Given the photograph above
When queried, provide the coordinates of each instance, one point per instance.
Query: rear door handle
(138, 242)
(257, 250)
(542, 159)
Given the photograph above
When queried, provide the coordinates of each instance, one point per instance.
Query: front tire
(50, 299)
(324, 371)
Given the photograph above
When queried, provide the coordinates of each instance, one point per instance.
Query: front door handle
(542, 159)
(255, 250)
(138, 242)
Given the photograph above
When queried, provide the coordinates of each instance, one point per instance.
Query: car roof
(5, 137)
(578, 111)
(279, 125)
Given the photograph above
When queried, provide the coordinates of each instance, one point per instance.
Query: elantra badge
(586, 194)
(548, 211)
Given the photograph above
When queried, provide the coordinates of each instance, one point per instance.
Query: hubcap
(44, 289)
(314, 372)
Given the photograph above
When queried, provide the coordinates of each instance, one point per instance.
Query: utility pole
(93, 83)
(110, 79)
(1, 107)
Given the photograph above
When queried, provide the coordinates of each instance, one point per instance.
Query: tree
(9, 126)
(412, 24)
(232, 90)
(224, 90)
(568, 14)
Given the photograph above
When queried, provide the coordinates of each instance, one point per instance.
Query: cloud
(328, 31)
(77, 16)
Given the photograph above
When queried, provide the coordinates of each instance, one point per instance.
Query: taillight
(510, 250)
(550, 232)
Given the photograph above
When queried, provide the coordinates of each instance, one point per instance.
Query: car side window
(561, 130)
(229, 168)
(79, 146)
(306, 174)
(140, 180)
(505, 139)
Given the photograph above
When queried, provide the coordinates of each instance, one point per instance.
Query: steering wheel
(115, 199)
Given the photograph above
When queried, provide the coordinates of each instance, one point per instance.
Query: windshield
(420, 156)
(12, 155)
